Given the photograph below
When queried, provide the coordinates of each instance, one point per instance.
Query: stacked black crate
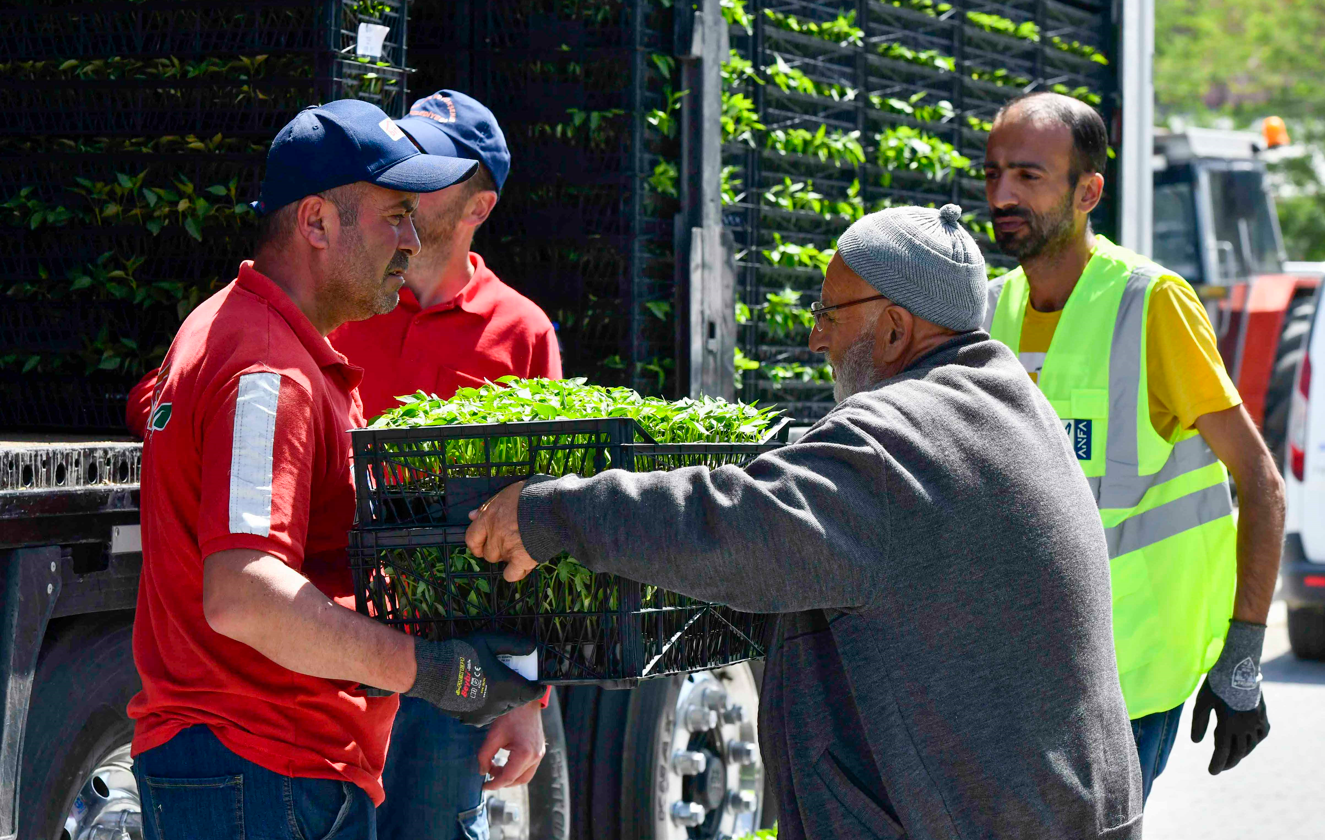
(136, 138)
(864, 105)
(584, 91)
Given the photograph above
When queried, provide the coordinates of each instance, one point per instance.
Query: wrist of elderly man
(542, 531)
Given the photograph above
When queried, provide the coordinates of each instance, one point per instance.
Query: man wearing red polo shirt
(253, 719)
(457, 325)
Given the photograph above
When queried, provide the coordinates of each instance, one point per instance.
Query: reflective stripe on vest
(1165, 506)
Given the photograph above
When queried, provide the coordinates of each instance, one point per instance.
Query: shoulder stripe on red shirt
(251, 453)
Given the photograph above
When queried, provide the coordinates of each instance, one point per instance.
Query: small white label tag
(126, 539)
(526, 666)
(392, 130)
(371, 38)
(1246, 677)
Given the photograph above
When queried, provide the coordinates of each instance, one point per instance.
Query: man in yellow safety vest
(1125, 353)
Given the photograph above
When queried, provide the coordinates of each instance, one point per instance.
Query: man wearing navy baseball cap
(457, 325)
(253, 719)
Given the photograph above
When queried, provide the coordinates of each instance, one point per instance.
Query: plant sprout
(446, 581)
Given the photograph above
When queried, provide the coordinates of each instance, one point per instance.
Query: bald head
(1090, 139)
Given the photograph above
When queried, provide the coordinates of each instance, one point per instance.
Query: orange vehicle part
(1252, 319)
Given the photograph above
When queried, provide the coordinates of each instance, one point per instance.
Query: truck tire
(1306, 632)
(539, 810)
(549, 790)
(1279, 395)
(595, 726)
(668, 791)
(75, 746)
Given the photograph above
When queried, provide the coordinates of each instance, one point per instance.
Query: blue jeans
(193, 788)
(433, 785)
(1154, 736)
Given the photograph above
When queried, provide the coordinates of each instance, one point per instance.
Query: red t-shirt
(247, 448)
(486, 332)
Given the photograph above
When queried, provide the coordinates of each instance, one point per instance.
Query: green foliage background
(1233, 62)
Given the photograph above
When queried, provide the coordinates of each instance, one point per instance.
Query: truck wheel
(539, 810)
(76, 781)
(691, 767)
(1279, 396)
(1306, 632)
(595, 726)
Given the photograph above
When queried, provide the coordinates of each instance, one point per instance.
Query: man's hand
(1232, 690)
(464, 678)
(1236, 733)
(494, 533)
(520, 733)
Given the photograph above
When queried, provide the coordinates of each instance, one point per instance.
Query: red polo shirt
(487, 331)
(247, 448)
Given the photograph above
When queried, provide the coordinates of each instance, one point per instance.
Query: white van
(1303, 566)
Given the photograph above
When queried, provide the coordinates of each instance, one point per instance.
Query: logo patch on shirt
(160, 417)
(1079, 434)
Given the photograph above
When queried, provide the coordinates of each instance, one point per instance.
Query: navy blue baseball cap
(454, 124)
(341, 142)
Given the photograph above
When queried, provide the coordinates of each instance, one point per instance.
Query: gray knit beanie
(922, 260)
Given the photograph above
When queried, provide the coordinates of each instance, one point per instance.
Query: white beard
(856, 372)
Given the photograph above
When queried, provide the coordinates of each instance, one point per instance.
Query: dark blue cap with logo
(454, 124)
(341, 142)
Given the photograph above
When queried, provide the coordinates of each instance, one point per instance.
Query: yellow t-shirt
(1184, 371)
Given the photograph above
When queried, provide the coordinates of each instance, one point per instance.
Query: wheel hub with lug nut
(713, 777)
(743, 753)
(711, 785)
(107, 805)
(508, 809)
(688, 814)
(699, 719)
(689, 762)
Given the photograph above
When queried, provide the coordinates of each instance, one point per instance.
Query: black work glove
(464, 678)
(1232, 690)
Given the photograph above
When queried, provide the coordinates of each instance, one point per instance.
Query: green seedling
(448, 582)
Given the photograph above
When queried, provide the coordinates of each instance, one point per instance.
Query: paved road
(1278, 792)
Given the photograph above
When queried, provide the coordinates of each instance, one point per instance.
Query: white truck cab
(1303, 566)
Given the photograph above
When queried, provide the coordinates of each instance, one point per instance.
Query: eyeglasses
(820, 312)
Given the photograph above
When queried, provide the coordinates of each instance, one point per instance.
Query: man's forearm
(803, 527)
(1260, 541)
(256, 599)
(1234, 439)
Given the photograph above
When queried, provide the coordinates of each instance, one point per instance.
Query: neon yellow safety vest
(1166, 507)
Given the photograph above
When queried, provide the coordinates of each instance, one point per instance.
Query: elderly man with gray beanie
(943, 663)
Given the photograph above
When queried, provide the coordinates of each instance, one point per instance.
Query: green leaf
(216, 189)
(192, 227)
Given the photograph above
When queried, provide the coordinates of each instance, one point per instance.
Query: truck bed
(66, 490)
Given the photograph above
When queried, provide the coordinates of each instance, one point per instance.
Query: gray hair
(275, 227)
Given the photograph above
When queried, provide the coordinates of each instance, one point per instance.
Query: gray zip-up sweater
(944, 664)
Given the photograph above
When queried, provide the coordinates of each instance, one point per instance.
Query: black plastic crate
(436, 475)
(45, 465)
(120, 28)
(91, 404)
(145, 107)
(606, 630)
(170, 255)
(65, 327)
